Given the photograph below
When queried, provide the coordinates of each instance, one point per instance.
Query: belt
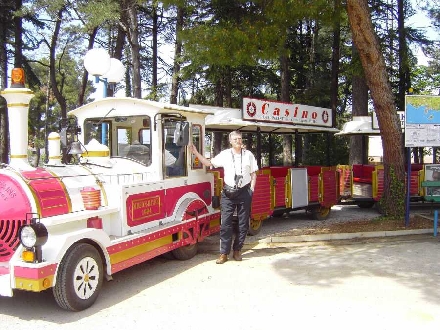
(245, 186)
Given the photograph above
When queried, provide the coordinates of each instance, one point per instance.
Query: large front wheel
(185, 252)
(79, 278)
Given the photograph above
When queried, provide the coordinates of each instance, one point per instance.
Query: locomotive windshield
(128, 137)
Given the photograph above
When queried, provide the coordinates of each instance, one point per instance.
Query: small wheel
(320, 213)
(278, 213)
(185, 252)
(365, 205)
(254, 227)
(79, 278)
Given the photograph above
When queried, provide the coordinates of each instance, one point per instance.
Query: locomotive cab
(156, 141)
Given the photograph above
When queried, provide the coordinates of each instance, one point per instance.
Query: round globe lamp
(116, 72)
(97, 62)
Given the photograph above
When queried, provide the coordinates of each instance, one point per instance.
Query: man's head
(235, 138)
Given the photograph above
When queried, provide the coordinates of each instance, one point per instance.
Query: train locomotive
(125, 190)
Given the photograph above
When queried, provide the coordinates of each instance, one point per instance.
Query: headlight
(33, 235)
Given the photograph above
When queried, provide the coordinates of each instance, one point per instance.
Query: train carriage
(280, 189)
(363, 184)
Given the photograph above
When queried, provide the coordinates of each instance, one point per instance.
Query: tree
(177, 55)
(130, 21)
(376, 75)
(6, 21)
(358, 143)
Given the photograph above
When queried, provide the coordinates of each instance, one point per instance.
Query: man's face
(236, 140)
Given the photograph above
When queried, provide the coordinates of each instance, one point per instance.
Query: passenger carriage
(280, 189)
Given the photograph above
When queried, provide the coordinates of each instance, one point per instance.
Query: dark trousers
(228, 205)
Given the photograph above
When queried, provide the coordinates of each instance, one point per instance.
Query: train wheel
(254, 227)
(79, 278)
(278, 213)
(365, 205)
(185, 252)
(320, 213)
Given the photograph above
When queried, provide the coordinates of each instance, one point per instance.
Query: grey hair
(237, 133)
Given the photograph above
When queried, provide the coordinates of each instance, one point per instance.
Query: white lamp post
(98, 63)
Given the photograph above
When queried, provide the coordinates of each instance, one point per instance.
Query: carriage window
(99, 130)
(196, 131)
(124, 137)
(144, 146)
(174, 155)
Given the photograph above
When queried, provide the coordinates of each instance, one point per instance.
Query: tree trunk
(18, 42)
(358, 143)
(85, 77)
(228, 86)
(53, 76)
(4, 132)
(218, 137)
(336, 51)
(365, 39)
(404, 77)
(155, 20)
(129, 17)
(177, 55)
(285, 97)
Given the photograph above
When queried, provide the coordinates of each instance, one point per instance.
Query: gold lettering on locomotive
(6, 191)
(143, 208)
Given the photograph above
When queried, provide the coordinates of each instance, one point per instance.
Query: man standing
(240, 167)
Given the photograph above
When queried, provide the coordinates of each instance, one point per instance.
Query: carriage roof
(126, 106)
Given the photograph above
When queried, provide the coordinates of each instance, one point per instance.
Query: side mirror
(181, 133)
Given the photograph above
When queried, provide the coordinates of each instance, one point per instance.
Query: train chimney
(54, 147)
(18, 98)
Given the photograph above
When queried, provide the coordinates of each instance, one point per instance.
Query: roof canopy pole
(329, 138)
(259, 147)
(271, 162)
(297, 148)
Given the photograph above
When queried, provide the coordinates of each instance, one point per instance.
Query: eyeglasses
(237, 139)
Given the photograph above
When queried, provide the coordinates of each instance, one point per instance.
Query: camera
(238, 180)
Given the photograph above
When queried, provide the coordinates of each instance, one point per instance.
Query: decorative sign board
(285, 113)
(422, 121)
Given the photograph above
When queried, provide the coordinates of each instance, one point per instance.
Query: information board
(422, 121)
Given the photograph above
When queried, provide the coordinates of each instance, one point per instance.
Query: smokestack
(18, 98)
(54, 147)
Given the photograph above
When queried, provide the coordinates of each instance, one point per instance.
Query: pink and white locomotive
(127, 191)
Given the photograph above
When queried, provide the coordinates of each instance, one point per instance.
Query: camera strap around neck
(241, 159)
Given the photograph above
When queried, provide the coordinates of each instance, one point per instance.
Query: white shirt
(242, 164)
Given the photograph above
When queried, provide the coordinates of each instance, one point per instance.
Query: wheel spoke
(85, 276)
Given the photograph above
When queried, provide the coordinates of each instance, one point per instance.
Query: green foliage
(326, 150)
(231, 49)
(97, 13)
(425, 80)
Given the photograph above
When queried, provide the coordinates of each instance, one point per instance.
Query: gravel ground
(368, 284)
(300, 220)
